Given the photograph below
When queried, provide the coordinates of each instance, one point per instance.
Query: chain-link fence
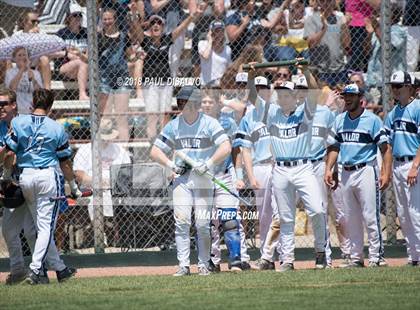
(122, 63)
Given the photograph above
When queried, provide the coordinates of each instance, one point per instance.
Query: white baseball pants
(14, 220)
(361, 197)
(263, 200)
(223, 199)
(38, 186)
(287, 181)
(192, 190)
(408, 208)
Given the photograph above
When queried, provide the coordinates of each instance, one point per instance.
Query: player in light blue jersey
(40, 144)
(203, 139)
(402, 125)
(253, 138)
(290, 127)
(356, 135)
(224, 203)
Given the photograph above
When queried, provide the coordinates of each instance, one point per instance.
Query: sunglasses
(397, 86)
(156, 21)
(4, 103)
(34, 21)
(282, 75)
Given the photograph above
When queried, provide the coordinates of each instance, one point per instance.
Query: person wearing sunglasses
(402, 125)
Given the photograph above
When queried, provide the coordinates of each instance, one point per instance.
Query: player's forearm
(221, 153)
(386, 159)
(237, 162)
(332, 155)
(67, 169)
(416, 160)
(247, 160)
(157, 155)
(235, 104)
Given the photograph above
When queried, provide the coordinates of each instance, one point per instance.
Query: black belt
(355, 167)
(404, 158)
(265, 161)
(317, 160)
(292, 163)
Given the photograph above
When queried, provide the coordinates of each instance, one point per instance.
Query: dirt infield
(168, 270)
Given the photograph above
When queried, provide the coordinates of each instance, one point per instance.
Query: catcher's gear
(11, 196)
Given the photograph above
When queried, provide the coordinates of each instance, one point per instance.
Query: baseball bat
(271, 64)
(85, 193)
(216, 181)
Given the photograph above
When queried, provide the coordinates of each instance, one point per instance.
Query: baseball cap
(241, 77)
(286, 85)
(189, 92)
(156, 17)
(401, 77)
(352, 89)
(301, 83)
(261, 81)
(217, 24)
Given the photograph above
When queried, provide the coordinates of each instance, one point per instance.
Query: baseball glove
(11, 196)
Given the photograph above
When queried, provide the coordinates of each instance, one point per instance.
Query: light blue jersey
(291, 135)
(358, 138)
(38, 141)
(402, 126)
(198, 140)
(4, 128)
(229, 125)
(322, 124)
(253, 134)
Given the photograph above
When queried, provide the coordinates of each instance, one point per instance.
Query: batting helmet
(11, 195)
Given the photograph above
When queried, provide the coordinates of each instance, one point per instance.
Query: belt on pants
(354, 167)
(404, 158)
(317, 160)
(292, 163)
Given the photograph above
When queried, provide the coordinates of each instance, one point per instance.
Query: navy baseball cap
(401, 77)
(188, 92)
(217, 24)
(352, 89)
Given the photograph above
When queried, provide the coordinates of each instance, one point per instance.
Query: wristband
(209, 163)
(239, 173)
(73, 186)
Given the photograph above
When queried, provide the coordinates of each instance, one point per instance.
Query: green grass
(381, 288)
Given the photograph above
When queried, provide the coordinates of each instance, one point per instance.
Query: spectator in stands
(23, 80)
(115, 88)
(111, 154)
(398, 43)
(74, 63)
(328, 38)
(156, 71)
(359, 10)
(411, 20)
(239, 23)
(28, 22)
(288, 41)
(215, 55)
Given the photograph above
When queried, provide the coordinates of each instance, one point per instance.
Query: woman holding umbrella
(23, 80)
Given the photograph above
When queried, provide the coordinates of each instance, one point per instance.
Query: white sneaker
(203, 271)
(382, 262)
(182, 271)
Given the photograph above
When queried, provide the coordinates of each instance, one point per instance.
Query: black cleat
(34, 279)
(65, 274)
(320, 260)
(214, 268)
(246, 266)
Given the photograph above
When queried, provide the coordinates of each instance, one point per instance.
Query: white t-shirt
(215, 66)
(24, 89)
(111, 154)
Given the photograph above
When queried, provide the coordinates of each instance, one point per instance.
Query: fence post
(98, 217)
(391, 214)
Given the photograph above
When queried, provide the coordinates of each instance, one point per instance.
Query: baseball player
(356, 134)
(402, 125)
(203, 139)
(14, 220)
(254, 140)
(40, 144)
(224, 203)
(290, 128)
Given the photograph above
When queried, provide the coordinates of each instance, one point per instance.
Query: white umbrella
(37, 44)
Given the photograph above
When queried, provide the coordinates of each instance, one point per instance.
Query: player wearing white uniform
(203, 139)
(14, 220)
(356, 134)
(290, 128)
(402, 125)
(40, 144)
(224, 203)
(254, 140)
